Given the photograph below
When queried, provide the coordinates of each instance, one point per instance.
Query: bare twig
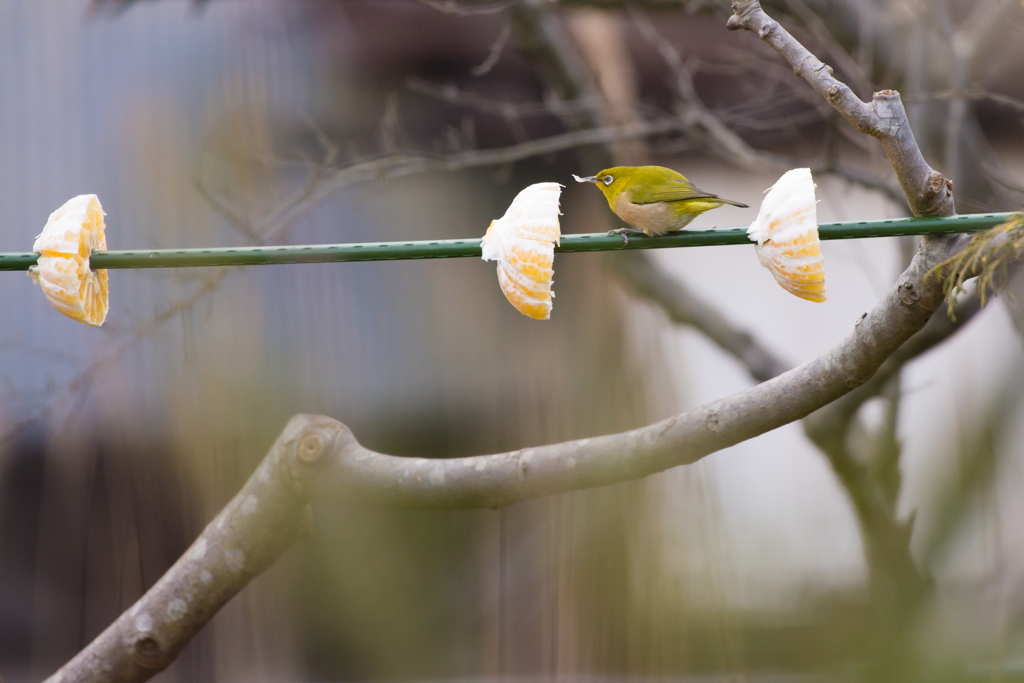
(883, 118)
(639, 271)
(468, 9)
(285, 215)
(724, 140)
(494, 54)
(266, 518)
(70, 393)
(452, 94)
(319, 456)
(502, 479)
(821, 32)
(974, 92)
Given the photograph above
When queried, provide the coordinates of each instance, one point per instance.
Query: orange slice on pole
(72, 233)
(786, 233)
(523, 243)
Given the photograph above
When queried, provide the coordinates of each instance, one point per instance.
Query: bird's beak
(590, 179)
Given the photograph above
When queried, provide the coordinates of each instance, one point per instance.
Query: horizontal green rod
(394, 251)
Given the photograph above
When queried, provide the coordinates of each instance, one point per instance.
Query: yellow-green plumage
(654, 199)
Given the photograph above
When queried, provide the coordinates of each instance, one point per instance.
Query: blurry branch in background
(259, 228)
(883, 118)
(494, 54)
(69, 397)
(844, 60)
(728, 144)
(284, 215)
(551, 46)
(317, 456)
(976, 470)
(684, 307)
(266, 518)
(973, 93)
(867, 465)
(468, 9)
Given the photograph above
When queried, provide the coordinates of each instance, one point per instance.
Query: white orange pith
(72, 233)
(523, 243)
(786, 232)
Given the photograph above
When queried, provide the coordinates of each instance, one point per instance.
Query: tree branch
(266, 518)
(834, 418)
(550, 46)
(884, 117)
(685, 307)
(317, 456)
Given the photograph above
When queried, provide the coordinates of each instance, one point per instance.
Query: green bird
(653, 199)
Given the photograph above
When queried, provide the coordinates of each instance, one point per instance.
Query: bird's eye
(608, 180)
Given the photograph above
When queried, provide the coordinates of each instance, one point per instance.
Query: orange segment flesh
(786, 236)
(522, 242)
(72, 233)
(798, 267)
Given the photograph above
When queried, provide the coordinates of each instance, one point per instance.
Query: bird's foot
(624, 233)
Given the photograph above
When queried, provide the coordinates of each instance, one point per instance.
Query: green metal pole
(395, 251)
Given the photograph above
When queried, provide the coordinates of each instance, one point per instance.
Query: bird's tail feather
(732, 203)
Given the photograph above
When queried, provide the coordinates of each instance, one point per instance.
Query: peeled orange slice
(72, 233)
(786, 232)
(523, 243)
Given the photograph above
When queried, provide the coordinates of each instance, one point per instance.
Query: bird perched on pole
(653, 199)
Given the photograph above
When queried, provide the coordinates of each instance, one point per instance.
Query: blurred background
(891, 551)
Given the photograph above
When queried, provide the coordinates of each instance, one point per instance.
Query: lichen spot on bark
(235, 559)
(250, 504)
(176, 609)
(143, 623)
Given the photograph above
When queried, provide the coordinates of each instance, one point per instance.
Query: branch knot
(907, 292)
(742, 9)
(311, 447)
(308, 439)
(145, 646)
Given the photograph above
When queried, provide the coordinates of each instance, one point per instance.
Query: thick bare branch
(884, 117)
(317, 456)
(266, 518)
(834, 418)
(502, 479)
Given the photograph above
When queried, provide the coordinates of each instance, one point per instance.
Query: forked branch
(927, 192)
(317, 456)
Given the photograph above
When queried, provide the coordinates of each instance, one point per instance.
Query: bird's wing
(670, 190)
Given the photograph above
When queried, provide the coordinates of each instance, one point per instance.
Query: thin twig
(494, 55)
(318, 456)
(467, 9)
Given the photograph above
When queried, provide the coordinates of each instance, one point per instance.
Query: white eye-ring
(608, 180)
